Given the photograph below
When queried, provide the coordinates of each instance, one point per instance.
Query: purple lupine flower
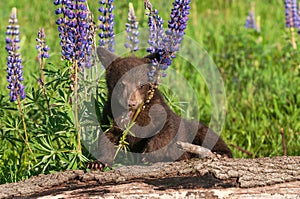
(155, 23)
(291, 14)
(107, 36)
(167, 43)
(132, 30)
(14, 60)
(250, 21)
(74, 31)
(175, 32)
(155, 41)
(41, 44)
(43, 54)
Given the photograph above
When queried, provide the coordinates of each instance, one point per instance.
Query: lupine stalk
(132, 30)
(42, 54)
(14, 68)
(106, 18)
(76, 44)
(292, 20)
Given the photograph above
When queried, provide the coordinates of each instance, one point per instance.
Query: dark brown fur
(157, 127)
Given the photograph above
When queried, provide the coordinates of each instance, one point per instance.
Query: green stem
(43, 82)
(25, 131)
(122, 141)
(76, 106)
(140, 108)
(293, 38)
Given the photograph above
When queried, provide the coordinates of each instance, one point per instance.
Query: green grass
(260, 71)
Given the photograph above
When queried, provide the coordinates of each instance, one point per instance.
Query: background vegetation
(261, 73)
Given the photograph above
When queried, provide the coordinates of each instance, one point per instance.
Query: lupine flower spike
(291, 14)
(155, 42)
(106, 18)
(74, 31)
(292, 19)
(166, 44)
(155, 23)
(14, 61)
(43, 52)
(175, 32)
(251, 22)
(41, 44)
(132, 30)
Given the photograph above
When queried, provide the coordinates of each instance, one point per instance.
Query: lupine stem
(293, 40)
(76, 43)
(14, 70)
(76, 107)
(137, 112)
(127, 129)
(25, 131)
(76, 69)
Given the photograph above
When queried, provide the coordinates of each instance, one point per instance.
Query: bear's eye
(142, 85)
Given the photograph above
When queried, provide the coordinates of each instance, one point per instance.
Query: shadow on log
(212, 178)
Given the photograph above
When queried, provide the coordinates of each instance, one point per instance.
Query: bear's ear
(153, 56)
(105, 56)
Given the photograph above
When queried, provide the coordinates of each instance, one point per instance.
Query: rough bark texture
(211, 178)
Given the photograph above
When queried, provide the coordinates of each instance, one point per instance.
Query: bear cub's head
(127, 80)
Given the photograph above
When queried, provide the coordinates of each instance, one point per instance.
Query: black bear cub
(157, 128)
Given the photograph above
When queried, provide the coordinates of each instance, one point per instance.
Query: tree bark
(213, 178)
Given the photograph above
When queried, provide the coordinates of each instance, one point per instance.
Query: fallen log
(218, 177)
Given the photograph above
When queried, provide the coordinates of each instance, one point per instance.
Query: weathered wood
(196, 149)
(203, 176)
(144, 190)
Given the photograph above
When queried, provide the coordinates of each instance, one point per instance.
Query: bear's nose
(132, 103)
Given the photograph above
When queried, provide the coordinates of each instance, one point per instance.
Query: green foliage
(260, 71)
(52, 134)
